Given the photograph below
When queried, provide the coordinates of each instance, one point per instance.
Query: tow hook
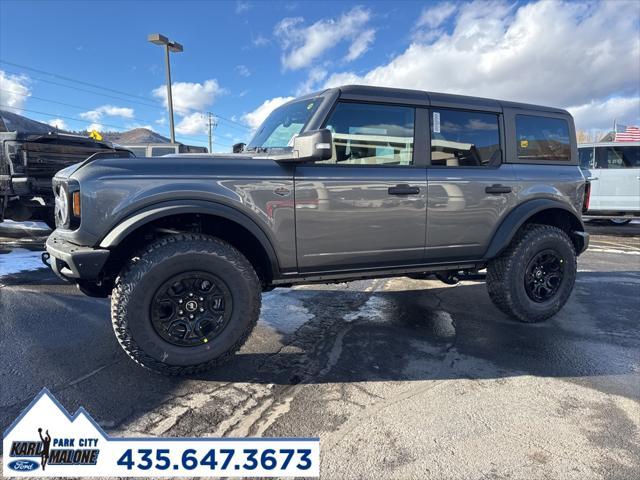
(45, 259)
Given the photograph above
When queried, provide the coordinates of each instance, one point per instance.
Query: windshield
(283, 123)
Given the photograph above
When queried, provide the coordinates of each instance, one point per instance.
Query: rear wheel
(185, 304)
(533, 278)
(619, 221)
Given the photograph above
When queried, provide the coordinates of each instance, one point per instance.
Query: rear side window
(464, 139)
(618, 157)
(542, 138)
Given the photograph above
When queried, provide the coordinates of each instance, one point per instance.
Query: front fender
(146, 215)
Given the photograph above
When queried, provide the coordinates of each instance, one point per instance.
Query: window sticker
(436, 122)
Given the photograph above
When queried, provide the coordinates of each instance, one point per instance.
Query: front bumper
(70, 261)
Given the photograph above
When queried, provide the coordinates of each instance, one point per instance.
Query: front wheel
(533, 278)
(185, 304)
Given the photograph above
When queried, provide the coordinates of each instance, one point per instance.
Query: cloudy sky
(93, 68)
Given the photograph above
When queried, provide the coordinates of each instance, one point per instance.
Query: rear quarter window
(542, 138)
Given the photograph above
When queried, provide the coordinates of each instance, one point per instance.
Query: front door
(366, 206)
(615, 182)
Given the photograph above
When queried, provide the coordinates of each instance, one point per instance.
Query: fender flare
(518, 216)
(148, 214)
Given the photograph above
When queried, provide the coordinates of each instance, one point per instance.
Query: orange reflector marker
(76, 204)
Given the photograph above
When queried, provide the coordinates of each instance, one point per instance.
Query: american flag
(624, 133)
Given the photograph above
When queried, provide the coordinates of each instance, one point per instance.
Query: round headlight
(62, 206)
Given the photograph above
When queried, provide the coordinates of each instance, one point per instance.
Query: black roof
(423, 98)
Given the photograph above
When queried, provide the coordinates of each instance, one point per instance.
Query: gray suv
(350, 183)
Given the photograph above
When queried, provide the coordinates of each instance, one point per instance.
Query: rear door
(615, 180)
(470, 188)
(366, 206)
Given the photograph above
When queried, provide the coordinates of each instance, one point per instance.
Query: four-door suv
(613, 170)
(349, 183)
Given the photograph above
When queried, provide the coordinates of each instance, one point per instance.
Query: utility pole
(212, 123)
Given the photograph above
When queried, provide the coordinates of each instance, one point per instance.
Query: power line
(92, 92)
(137, 119)
(64, 104)
(66, 117)
(100, 87)
(68, 79)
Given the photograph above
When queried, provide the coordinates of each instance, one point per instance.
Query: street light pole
(169, 95)
(169, 45)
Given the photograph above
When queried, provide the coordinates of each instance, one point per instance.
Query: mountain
(135, 136)
(11, 122)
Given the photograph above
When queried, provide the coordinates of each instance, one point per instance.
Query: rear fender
(527, 212)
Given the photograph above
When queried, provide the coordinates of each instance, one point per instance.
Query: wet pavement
(399, 378)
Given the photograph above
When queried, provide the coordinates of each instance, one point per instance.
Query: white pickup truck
(614, 172)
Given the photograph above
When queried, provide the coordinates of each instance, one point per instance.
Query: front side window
(139, 151)
(586, 157)
(159, 151)
(542, 138)
(618, 157)
(369, 134)
(464, 139)
(279, 128)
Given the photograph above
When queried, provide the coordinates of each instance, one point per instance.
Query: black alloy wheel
(191, 308)
(543, 275)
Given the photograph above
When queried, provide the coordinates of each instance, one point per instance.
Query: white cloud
(316, 75)
(255, 118)
(97, 127)
(600, 115)
(260, 41)
(189, 96)
(58, 123)
(192, 124)
(243, 70)
(107, 111)
(304, 44)
(14, 91)
(435, 15)
(361, 44)
(242, 7)
(587, 54)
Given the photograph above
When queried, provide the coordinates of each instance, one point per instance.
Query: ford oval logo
(23, 465)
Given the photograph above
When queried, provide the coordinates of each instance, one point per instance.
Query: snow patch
(11, 225)
(283, 312)
(614, 250)
(371, 310)
(20, 260)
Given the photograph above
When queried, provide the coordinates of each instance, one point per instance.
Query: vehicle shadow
(410, 334)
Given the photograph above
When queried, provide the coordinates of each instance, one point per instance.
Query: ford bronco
(350, 183)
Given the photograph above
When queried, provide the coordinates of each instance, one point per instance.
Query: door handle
(591, 179)
(403, 189)
(497, 189)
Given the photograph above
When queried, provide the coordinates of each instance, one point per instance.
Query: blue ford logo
(23, 465)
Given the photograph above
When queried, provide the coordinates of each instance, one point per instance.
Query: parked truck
(30, 155)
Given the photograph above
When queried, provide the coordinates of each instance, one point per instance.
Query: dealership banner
(46, 441)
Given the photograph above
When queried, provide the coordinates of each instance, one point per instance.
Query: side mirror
(313, 146)
(238, 147)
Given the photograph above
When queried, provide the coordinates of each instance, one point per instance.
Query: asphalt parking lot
(399, 378)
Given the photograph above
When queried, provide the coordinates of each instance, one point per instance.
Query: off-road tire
(506, 273)
(156, 263)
